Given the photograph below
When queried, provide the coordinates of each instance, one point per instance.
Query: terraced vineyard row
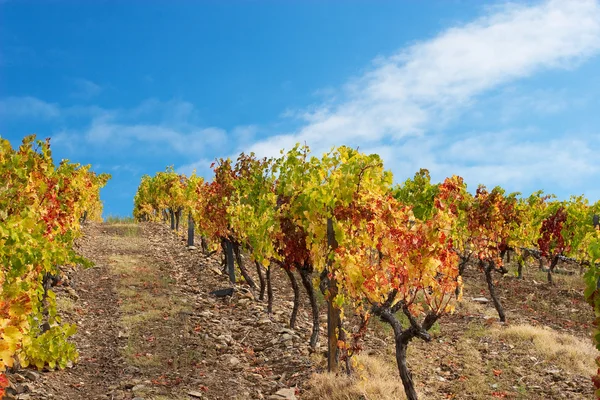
(41, 208)
(397, 253)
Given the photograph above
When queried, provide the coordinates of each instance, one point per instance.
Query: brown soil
(149, 329)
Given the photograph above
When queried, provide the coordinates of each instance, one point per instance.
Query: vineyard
(301, 276)
(42, 207)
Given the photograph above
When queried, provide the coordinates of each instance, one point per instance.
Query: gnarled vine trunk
(346, 355)
(269, 291)
(520, 263)
(490, 282)
(461, 268)
(243, 270)
(261, 279)
(306, 281)
(172, 215)
(229, 260)
(402, 338)
(177, 219)
(333, 314)
(551, 269)
(83, 218)
(190, 238)
(296, 289)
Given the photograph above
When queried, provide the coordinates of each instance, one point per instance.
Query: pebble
(248, 295)
(284, 394)
(481, 300)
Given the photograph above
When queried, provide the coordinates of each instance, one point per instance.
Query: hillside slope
(150, 329)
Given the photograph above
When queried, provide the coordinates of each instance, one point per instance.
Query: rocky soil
(148, 328)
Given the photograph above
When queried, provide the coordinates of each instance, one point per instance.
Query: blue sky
(500, 93)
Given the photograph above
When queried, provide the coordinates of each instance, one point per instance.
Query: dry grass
(65, 305)
(148, 313)
(376, 379)
(568, 352)
(120, 264)
(475, 385)
(466, 306)
(122, 229)
(568, 282)
(116, 219)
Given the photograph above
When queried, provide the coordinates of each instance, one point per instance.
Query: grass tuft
(117, 219)
(568, 352)
(376, 379)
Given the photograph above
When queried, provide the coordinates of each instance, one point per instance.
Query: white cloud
(153, 128)
(403, 100)
(27, 107)
(513, 159)
(408, 92)
(85, 89)
(245, 134)
(181, 138)
(201, 167)
(176, 112)
(512, 103)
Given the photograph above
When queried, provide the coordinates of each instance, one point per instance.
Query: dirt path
(91, 301)
(149, 329)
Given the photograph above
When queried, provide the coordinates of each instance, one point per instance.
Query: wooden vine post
(172, 215)
(190, 239)
(229, 259)
(333, 314)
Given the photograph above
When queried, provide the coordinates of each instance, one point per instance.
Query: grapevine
(41, 208)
